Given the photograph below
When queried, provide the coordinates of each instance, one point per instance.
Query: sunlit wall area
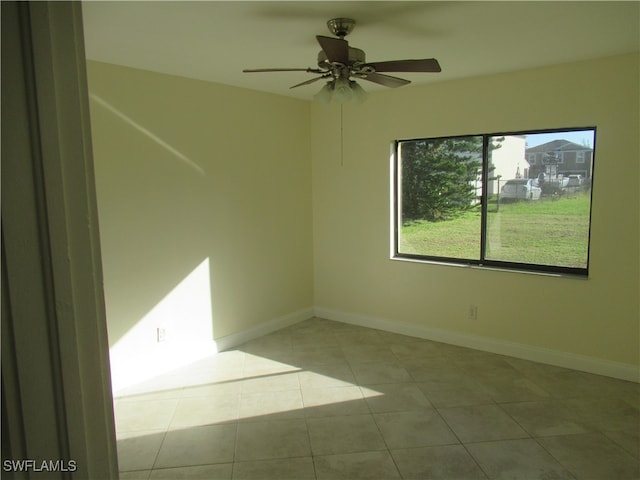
(175, 332)
(204, 209)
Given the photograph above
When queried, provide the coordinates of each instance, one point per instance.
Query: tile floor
(325, 400)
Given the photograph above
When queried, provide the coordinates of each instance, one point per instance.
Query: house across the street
(565, 157)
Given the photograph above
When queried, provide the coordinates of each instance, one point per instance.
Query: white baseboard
(136, 366)
(235, 339)
(622, 371)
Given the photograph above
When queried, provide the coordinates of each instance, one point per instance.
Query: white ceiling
(214, 41)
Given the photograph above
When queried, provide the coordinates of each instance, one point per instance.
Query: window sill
(490, 268)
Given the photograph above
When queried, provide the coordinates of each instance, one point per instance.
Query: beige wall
(250, 197)
(597, 318)
(200, 186)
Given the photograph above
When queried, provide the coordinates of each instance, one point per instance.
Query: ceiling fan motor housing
(356, 56)
(341, 27)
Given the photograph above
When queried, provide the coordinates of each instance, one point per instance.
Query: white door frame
(56, 390)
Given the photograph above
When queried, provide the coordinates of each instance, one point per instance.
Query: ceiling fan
(339, 63)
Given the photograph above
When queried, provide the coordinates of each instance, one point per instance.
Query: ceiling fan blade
(425, 65)
(253, 70)
(386, 80)
(307, 82)
(336, 49)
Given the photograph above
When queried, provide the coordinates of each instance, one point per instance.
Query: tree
(438, 177)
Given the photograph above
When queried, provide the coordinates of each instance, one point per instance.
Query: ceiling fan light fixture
(342, 92)
(359, 93)
(325, 94)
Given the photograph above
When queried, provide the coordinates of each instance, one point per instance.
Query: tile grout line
(306, 423)
(554, 457)
(462, 443)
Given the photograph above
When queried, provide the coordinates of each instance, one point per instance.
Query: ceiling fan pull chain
(341, 137)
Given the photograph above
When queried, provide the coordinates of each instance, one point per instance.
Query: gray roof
(558, 145)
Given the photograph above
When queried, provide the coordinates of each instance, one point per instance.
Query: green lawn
(547, 232)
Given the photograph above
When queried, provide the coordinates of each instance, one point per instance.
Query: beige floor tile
(437, 463)
(199, 472)
(628, 439)
(317, 325)
(395, 397)
(358, 396)
(355, 433)
(163, 386)
(530, 367)
(138, 394)
(391, 338)
(196, 411)
(574, 384)
(356, 466)
(271, 383)
(512, 388)
(546, 418)
(300, 468)
(362, 336)
(309, 358)
(455, 394)
(274, 405)
(232, 358)
(421, 350)
(137, 415)
(277, 342)
(481, 363)
(257, 366)
(137, 475)
(333, 401)
(138, 450)
(368, 354)
(481, 423)
(303, 340)
(212, 376)
(592, 456)
(517, 460)
(437, 368)
(562, 383)
(213, 389)
(375, 373)
(604, 414)
(414, 429)
(197, 446)
(324, 376)
(272, 439)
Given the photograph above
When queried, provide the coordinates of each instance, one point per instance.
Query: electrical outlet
(161, 334)
(473, 312)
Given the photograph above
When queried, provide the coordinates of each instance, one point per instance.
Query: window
(479, 200)
(580, 157)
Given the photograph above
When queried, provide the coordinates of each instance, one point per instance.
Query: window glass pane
(539, 213)
(439, 191)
